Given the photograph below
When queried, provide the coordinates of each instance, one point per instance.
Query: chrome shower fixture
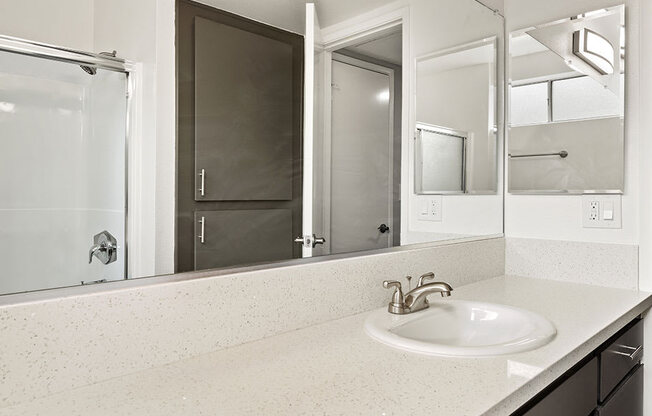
(91, 70)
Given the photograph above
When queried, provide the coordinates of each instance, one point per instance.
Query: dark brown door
(239, 141)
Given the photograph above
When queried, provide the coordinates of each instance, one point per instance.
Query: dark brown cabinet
(608, 382)
(619, 357)
(627, 398)
(576, 396)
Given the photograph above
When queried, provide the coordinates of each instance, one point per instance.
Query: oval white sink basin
(462, 328)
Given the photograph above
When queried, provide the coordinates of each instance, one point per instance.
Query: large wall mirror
(566, 125)
(386, 132)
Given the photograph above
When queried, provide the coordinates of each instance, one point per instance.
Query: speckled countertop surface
(336, 369)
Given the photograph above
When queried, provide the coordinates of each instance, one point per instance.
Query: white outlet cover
(430, 208)
(611, 205)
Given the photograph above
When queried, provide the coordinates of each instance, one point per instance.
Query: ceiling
(483, 54)
(387, 48)
(290, 14)
(330, 12)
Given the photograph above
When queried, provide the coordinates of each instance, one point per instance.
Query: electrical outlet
(594, 211)
(601, 211)
(430, 208)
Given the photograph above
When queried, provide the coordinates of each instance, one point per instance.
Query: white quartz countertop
(336, 369)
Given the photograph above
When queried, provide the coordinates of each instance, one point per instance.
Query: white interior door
(312, 132)
(361, 159)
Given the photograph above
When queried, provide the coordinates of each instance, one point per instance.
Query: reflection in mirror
(288, 145)
(441, 160)
(567, 105)
(62, 170)
(456, 107)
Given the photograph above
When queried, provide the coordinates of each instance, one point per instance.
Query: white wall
(63, 22)
(431, 31)
(645, 153)
(559, 217)
(645, 180)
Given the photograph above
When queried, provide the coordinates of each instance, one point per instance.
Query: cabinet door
(627, 400)
(617, 360)
(243, 115)
(229, 237)
(576, 396)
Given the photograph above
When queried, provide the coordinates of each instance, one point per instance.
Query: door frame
(327, 162)
(369, 25)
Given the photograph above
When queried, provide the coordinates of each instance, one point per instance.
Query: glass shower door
(62, 173)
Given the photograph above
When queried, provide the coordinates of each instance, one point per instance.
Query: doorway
(358, 203)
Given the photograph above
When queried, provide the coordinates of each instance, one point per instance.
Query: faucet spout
(417, 300)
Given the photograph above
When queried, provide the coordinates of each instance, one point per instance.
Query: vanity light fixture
(595, 50)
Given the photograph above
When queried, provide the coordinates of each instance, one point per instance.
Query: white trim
(139, 263)
(375, 22)
(327, 148)
(308, 126)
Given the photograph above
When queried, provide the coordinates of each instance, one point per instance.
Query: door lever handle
(93, 250)
(309, 241)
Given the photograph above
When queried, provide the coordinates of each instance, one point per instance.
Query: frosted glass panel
(579, 98)
(62, 171)
(440, 162)
(529, 104)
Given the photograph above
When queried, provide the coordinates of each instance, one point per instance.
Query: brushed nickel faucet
(416, 299)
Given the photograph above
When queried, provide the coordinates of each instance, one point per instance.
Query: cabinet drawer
(627, 399)
(574, 397)
(619, 358)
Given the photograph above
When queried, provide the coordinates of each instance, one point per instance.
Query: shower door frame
(134, 236)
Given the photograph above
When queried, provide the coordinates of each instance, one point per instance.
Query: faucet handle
(424, 277)
(397, 302)
(387, 284)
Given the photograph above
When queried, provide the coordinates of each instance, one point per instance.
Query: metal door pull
(202, 182)
(632, 354)
(202, 228)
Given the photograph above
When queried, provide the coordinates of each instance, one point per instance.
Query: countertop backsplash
(79, 340)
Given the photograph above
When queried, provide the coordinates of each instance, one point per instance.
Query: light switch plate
(602, 211)
(430, 208)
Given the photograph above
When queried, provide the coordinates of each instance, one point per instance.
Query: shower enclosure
(63, 166)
